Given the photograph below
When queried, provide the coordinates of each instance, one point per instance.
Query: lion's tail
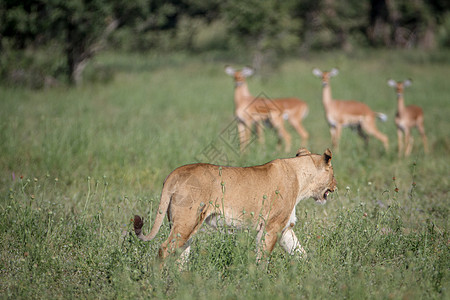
(162, 210)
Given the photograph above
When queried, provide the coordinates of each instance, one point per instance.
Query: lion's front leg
(290, 243)
(265, 241)
(184, 257)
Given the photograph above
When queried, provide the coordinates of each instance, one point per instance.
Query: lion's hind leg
(259, 237)
(178, 240)
(181, 233)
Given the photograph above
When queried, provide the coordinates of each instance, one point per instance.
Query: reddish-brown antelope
(407, 117)
(341, 113)
(250, 110)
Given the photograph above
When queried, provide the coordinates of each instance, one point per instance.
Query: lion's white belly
(236, 222)
(217, 220)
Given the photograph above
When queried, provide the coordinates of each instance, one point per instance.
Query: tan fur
(341, 113)
(407, 117)
(250, 110)
(260, 197)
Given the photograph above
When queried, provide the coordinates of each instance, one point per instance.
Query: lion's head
(324, 182)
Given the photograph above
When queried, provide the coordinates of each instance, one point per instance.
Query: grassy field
(77, 163)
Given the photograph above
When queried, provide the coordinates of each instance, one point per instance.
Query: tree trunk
(428, 40)
(79, 54)
(378, 32)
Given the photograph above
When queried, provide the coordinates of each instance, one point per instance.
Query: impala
(250, 110)
(406, 118)
(341, 113)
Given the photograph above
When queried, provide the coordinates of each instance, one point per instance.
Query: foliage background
(260, 32)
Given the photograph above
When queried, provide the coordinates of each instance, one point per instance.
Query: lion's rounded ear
(327, 156)
(302, 152)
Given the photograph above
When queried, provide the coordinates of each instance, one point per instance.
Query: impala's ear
(327, 157)
(247, 71)
(302, 152)
(334, 72)
(407, 82)
(230, 70)
(392, 83)
(317, 72)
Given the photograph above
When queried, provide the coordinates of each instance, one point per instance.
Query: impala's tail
(162, 210)
(381, 116)
(305, 113)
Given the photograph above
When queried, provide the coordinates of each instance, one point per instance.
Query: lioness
(260, 197)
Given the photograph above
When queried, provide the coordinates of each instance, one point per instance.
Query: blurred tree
(406, 18)
(332, 23)
(378, 31)
(309, 12)
(80, 27)
(406, 24)
(264, 26)
(168, 25)
(347, 20)
(84, 26)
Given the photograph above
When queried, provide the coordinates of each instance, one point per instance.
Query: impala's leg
(370, 127)
(278, 123)
(333, 137)
(400, 141)
(244, 135)
(363, 135)
(297, 124)
(260, 131)
(336, 135)
(422, 133)
(409, 141)
(290, 243)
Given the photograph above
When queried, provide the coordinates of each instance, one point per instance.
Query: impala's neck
(327, 99)
(400, 103)
(241, 94)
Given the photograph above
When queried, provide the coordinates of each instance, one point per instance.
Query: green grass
(77, 163)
